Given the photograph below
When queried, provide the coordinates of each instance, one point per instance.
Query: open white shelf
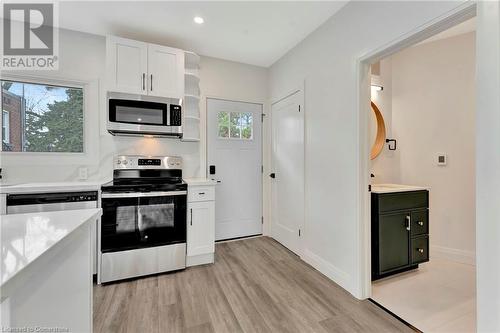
(192, 97)
(191, 114)
(191, 60)
(191, 78)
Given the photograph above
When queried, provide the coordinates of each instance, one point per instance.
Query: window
(5, 127)
(235, 125)
(42, 118)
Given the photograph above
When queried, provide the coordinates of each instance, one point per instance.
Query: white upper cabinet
(127, 65)
(166, 71)
(140, 68)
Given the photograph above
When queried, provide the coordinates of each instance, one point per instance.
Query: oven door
(140, 220)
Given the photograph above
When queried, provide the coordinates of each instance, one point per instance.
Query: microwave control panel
(175, 115)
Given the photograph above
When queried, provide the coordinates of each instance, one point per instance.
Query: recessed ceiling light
(198, 20)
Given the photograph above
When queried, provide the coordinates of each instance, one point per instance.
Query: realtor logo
(29, 36)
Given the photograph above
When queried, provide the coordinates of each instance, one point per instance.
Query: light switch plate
(83, 173)
(441, 159)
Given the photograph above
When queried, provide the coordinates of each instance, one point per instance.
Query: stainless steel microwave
(144, 118)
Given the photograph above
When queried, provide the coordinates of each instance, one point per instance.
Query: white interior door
(287, 211)
(235, 149)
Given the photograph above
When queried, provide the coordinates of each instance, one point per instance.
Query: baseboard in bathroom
(452, 254)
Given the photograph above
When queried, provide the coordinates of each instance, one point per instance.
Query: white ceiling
(251, 32)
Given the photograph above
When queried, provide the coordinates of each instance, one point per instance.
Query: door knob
(273, 175)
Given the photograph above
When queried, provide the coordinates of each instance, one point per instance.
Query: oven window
(162, 220)
(128, 114)
(132, 223)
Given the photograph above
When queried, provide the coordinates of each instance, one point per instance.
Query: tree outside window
(42, 118)
(235, 125)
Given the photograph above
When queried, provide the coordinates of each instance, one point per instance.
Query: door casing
(462, 13)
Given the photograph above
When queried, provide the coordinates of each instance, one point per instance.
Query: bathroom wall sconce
(390, 142)
(376, 87)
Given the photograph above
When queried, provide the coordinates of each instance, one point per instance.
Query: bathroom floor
(438, 297)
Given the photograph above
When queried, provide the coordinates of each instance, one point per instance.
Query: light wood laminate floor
(255, 285)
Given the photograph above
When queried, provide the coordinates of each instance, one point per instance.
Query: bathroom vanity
(400, 228)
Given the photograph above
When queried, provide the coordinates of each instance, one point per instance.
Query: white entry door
(235, 151)
(287, 187)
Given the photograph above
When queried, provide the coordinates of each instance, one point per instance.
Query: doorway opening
(420, 223)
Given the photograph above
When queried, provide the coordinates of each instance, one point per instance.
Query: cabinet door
(393, 241)
(127, 65)
(165, 71)
(201, 228)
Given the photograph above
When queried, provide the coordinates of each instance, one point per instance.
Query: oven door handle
(142, 195)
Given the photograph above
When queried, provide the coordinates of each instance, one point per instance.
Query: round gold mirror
(379, 142)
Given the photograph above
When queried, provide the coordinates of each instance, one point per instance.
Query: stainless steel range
(143, 226)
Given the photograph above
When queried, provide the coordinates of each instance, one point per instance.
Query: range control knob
(119, 162)
(125, 162)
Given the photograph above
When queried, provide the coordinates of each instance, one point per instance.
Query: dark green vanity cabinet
(400, 231)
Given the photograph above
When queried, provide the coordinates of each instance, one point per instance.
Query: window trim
(92, 117)
(6, 126)
(58, 83)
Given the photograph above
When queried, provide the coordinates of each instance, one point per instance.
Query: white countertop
(392, 188)
(27, 237)
(51, 187)
(200, 181)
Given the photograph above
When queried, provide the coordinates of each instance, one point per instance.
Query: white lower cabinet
(200, 228)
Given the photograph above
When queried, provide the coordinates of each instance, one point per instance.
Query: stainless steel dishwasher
(55, 201)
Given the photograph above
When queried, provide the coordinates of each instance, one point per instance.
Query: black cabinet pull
(191, 216)
(273, 175)
(201, 193)
(151, 82)
(143, 81)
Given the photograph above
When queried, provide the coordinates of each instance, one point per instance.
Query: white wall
(82, 58)
(326, 60)
(433, 111)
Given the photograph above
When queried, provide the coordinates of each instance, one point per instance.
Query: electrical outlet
(83, 173)
(441, 159)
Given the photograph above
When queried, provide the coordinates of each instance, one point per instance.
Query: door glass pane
(235, 128)
(246, 125)
(223, 124)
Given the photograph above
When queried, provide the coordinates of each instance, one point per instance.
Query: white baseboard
(456, 255)
(335, 274)
(201, 259)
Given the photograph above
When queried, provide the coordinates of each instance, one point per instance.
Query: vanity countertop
(393, 188)
(27, 237)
